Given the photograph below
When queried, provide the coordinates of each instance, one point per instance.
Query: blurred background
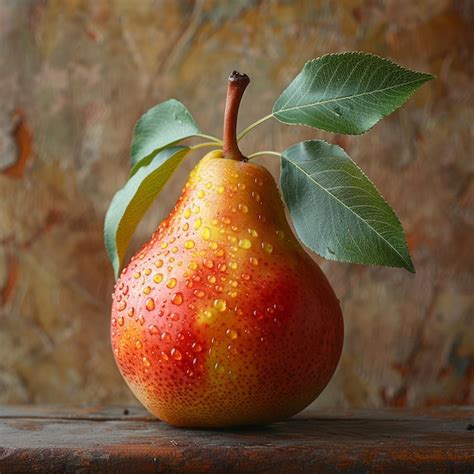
(75, 75)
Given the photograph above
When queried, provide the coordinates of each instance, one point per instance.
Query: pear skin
(222, 318)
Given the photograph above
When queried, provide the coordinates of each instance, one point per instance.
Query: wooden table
(115, 440)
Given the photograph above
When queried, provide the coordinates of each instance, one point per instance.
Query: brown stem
(235, 90)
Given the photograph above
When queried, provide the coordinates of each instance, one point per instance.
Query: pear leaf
(164, 124)
(132, 201)
(337, 212)
(346, 92)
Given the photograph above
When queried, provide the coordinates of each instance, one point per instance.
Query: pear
(222, 318)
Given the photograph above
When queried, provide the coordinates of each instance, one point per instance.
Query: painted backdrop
(74, 77)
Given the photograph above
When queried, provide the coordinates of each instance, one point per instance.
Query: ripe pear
(222, 318)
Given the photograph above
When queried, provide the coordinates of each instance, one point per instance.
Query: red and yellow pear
(222, 318)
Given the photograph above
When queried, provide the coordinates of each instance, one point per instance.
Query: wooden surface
(115, 440)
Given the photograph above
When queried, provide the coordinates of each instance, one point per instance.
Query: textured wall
(74, 77)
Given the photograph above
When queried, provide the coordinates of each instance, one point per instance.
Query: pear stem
(235, 90)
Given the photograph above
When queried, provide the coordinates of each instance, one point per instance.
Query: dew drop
(131, 312)
(196, 209)
(252, 232)
(141, 319)
(114, 322)
(220, 189)
(219, 368)
(267, 247)
(159, 263)
(120, 321)
(196, 347)
(158, 278)
(164, 245)
(211, 279)
(185, 226)
(243, 208)
(225, 220)
(220, 304)
(208, 263)
(241, 186)
(245, 276)
(245, 244)
(147, 271)
(146, 290)
(146, 362)
(122, 305)
(177, 298)
(150, 304)
(199, 293)
(189, 244)
(192, 265)
(213, 245)
(187, 213)
(164, 355)
(232, 333)
(137, 275)
(171, 283)
(138, 344)
(125, 290)
(253, 261)
(197, 223)
(206, 233)
(176, 354)
(152, 329)
(174, 316)
(233, 265)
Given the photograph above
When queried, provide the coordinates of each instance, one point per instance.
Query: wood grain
(115, 440)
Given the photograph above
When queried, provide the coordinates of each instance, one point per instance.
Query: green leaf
(163, 125)
(346, 92)
(337, 212)
(132, 201)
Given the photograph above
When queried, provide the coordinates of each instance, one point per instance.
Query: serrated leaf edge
(427, 77)
(409, 264)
